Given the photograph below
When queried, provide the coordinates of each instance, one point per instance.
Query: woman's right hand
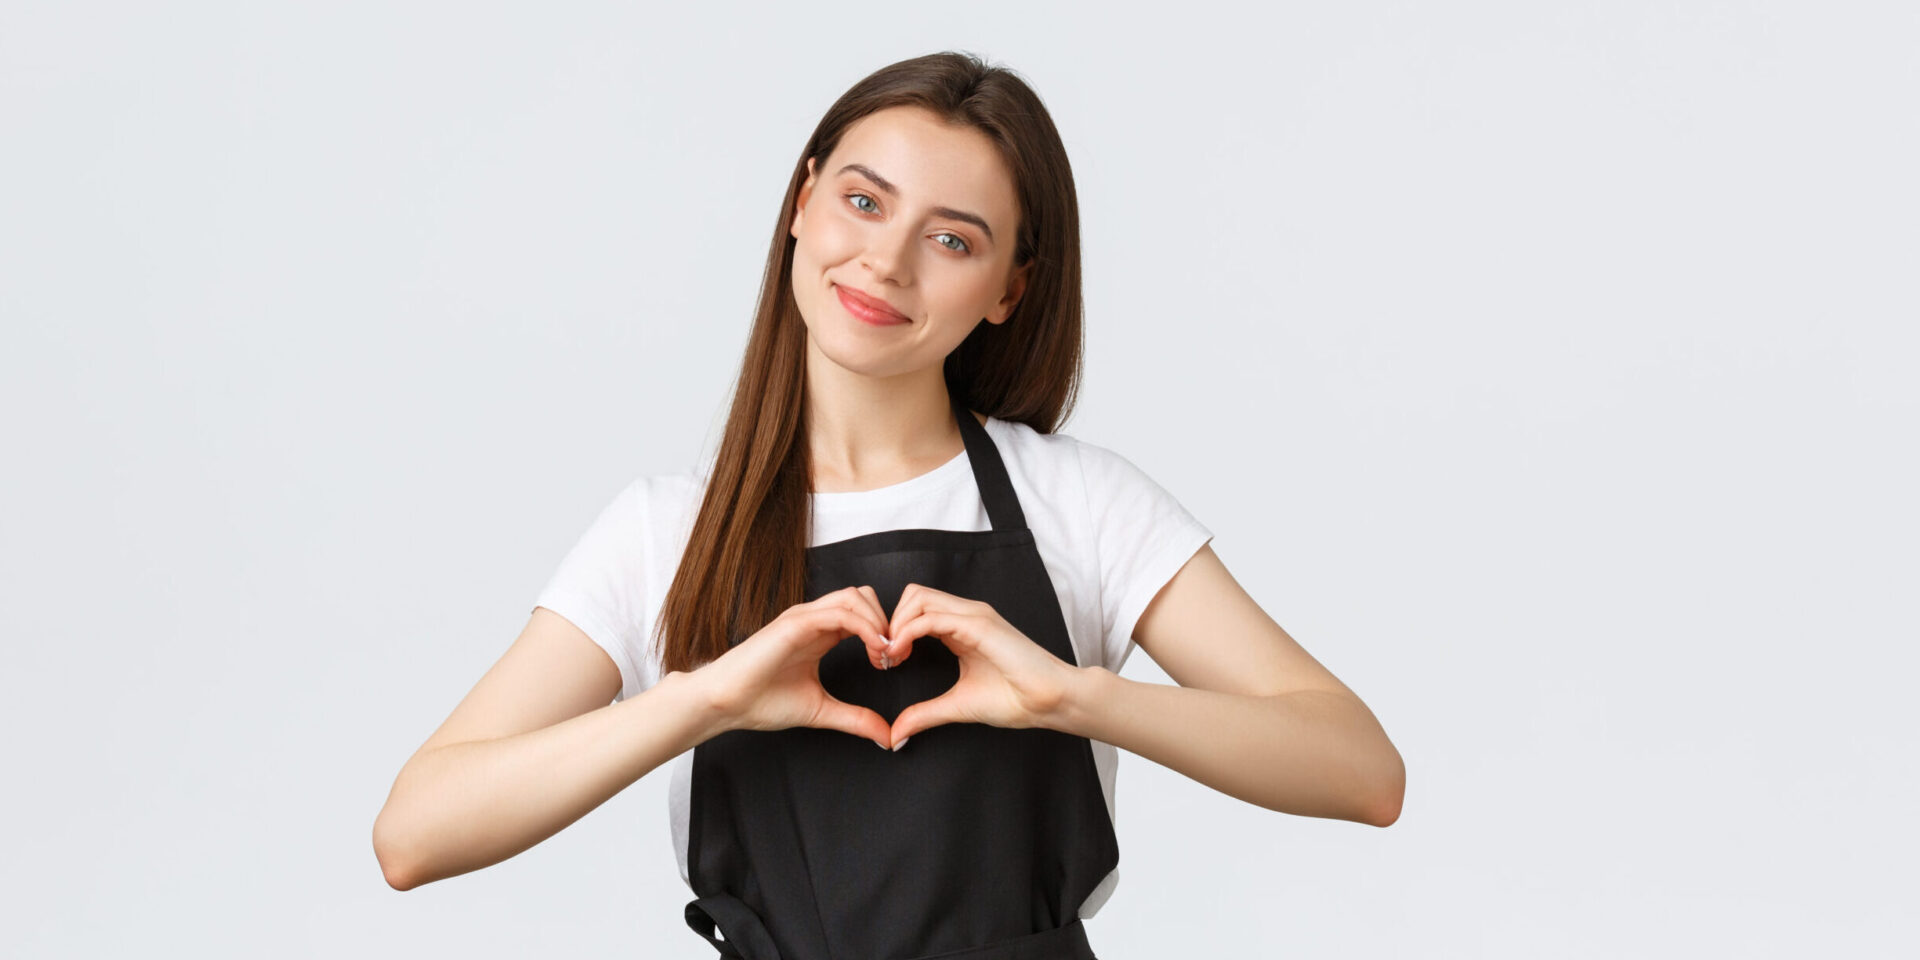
(771, 680)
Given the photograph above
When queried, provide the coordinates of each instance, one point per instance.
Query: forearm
(465, 806)
(1311, 753)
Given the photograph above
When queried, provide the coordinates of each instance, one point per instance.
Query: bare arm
(1254, 716)
(533, 748)
(1311, 753)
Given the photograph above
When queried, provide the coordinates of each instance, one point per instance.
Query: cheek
(827, 238)
(818, 249)
(968, 297)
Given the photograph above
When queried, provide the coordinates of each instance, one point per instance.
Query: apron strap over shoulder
(989, 472)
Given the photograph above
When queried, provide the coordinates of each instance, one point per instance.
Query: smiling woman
(892, 542)
(903, 249)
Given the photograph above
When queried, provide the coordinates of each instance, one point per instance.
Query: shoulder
(649, 495)
(1107, 470)
(670, 501)
(1062, 455)
(673, 491)
(1018, 441)
(1046, 465)
(1115, 491)
(1102, 480)
(647, 508)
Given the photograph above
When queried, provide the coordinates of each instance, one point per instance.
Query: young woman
(892, 543)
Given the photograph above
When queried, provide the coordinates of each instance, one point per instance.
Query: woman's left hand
(1006, 679)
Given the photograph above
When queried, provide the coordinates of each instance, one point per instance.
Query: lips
(870, 309)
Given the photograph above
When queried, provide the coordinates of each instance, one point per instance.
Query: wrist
(701, 698)
(1086, 689)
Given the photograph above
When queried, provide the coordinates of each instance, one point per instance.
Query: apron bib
(974, 842)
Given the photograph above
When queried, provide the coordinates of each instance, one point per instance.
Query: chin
(843, 345)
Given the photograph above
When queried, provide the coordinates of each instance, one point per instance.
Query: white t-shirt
(1109, 536)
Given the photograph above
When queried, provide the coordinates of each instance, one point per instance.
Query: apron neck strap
(989, 472)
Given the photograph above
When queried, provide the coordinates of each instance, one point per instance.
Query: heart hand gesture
(1006, 679)
(771, 680)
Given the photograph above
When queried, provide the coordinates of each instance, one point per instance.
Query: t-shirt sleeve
(600, 586)
(1143, 536)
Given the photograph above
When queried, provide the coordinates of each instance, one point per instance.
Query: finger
(873, 600)
(912, 601)
(924, 715)
(863, 601)
(918, 599)
(886, 661)
(904, 607)
(843, 619)
(844, 608)
(953, 629)
(835, 714)
(860, 605)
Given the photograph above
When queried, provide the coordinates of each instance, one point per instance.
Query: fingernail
(902, 743)
(886, 662)
(881, 745)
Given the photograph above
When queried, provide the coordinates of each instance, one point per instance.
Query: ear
(800, 203)
(1016, 287)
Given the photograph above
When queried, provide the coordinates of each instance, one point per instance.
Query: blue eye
(855, 199)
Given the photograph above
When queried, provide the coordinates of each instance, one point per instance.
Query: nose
(889, 253)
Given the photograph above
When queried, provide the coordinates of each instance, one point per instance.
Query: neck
(867, 432)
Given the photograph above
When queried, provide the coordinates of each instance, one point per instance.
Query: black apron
(973, 842)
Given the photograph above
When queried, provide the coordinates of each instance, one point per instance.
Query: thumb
(840, 715)
(925, 715)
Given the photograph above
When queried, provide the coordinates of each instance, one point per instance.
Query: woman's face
(918, 215)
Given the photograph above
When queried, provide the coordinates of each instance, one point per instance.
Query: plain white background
(1547, 370)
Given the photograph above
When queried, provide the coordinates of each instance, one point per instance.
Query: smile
(867, 309)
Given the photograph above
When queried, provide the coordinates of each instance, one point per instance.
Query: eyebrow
(948, 212)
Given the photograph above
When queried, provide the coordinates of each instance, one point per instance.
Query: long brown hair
(745, 559)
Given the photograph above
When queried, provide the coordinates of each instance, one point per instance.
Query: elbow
(396, 877)
(1385, 813)
(395, 868)
(1385, 808)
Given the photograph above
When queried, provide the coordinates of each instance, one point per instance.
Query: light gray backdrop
(1547, 370)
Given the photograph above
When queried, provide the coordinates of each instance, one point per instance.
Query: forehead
(934, 163)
